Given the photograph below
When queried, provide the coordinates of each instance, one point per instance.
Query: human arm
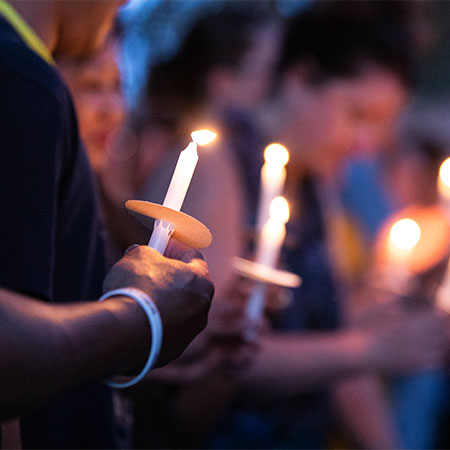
(46, 348)
(295, 362)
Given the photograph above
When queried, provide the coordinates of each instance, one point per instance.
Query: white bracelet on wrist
(155, 323)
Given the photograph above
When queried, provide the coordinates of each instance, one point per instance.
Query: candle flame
(444, 172)
(405, 234)
(276, 154)
(203, 137)
(279, 209)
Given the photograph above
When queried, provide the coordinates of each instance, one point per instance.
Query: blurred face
(329, 121)
(95, 86)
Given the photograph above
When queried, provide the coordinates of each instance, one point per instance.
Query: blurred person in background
(329, 99)
(346, 73)
(95, 85)
(407, 187)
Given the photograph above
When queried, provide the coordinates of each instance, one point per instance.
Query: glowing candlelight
(403, 237)
(444, 180)
(443, 293)
(273, 176)
(178, 187)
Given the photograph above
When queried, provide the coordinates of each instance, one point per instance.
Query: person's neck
(42, 20)
(268, 118)
(275, 119)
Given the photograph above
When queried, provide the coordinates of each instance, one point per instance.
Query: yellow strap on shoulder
(25, 32)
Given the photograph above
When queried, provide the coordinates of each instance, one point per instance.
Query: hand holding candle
(178, 187)
(272, 215)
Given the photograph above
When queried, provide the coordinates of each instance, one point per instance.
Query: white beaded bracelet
(155, 323)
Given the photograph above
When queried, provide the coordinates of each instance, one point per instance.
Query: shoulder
(21, 67)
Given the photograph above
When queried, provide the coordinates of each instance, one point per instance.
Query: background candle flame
(203, 137)
(279, 209)
(276, 154)
(444, 172)
(405, 234)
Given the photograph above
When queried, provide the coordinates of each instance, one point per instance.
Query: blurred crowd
(354, 357)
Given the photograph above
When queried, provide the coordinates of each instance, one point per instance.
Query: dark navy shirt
(50, 241)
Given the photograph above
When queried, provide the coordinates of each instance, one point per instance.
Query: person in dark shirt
(51, 246)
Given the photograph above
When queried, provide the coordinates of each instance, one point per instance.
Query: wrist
(133, 333)
(362, 354)
(144, 302)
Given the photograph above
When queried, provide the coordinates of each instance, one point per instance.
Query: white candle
(273, 176)
(267, 253)
(179, 184)
(273, 233)
(181, 178)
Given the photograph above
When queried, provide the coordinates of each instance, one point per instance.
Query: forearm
(288, 364)
(45, 348)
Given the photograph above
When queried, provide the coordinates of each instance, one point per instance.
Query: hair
(178, 86)
(337, 39)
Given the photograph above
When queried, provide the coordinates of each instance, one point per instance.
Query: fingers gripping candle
(178, 187)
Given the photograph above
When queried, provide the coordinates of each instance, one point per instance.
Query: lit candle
(267, 253)
(273, 233)
(178, 187)
(443, 292)
(404, 235)
(444, 185)
(273, 176)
